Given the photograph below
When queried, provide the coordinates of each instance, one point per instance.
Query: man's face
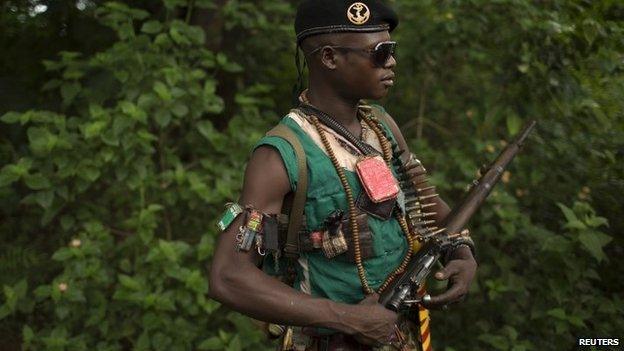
(356, 75)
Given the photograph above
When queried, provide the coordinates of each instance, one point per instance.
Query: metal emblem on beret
(358, 13)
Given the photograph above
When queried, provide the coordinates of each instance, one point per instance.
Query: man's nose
(391, 62)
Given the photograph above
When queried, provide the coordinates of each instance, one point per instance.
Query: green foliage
(124, 176)
(117, 170)
(477, 70)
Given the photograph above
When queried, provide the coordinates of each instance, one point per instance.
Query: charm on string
(334, 242)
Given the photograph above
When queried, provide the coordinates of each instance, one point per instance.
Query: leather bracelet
(467, 241)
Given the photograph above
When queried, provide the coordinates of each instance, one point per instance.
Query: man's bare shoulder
(266, 180)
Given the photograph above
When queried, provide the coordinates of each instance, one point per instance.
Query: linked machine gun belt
(403, 291)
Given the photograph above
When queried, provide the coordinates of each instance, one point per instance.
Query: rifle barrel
(459, 217)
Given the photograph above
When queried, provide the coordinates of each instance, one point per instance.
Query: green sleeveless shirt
(335, 278)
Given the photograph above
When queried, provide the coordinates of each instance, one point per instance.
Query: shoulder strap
(291, 249)
(380, 115)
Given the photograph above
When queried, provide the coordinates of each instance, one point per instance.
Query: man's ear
(328, 57)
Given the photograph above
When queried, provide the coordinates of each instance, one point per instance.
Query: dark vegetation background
(126, 126)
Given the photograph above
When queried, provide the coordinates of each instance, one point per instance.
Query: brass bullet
(409, 210)
(411, 202)
(421, 214)
(436, 232)
(420, 181)
(407, 167)
(426, 188)
(425, 197)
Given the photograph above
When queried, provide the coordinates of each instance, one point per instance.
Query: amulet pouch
(377, 179)
(380, 188)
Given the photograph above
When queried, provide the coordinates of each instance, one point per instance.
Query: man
(355, 235)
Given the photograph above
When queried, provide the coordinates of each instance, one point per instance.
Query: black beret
(339, 16)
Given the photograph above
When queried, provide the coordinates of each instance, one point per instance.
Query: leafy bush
(476, 71)
(120, 177)
(124, 178)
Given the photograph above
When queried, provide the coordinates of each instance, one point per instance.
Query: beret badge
(316, 17)
(358, 13)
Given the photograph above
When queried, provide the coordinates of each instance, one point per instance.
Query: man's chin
(378, 95)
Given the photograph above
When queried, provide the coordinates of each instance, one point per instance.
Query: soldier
(342, 164)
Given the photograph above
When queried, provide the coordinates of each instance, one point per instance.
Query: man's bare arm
(236, 281)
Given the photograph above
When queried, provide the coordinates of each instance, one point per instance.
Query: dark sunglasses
(380, 54)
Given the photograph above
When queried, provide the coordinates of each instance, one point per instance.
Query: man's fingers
(447, 271)
(455, 293)
(460, 273)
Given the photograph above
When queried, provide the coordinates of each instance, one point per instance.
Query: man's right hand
(377, 325)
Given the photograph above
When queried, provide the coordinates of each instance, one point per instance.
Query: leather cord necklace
(316, 117)
(327, 120)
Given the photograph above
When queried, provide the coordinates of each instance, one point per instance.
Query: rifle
(402, 293)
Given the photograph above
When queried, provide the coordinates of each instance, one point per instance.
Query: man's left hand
(459, 271)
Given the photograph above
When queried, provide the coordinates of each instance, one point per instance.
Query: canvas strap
(291, 248)
(378, 113)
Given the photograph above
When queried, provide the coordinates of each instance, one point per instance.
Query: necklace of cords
(363, 147)
(387, 155)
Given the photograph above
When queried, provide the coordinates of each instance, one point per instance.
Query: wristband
(463, 240)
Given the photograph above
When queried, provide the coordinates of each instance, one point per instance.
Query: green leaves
(131, 110)
(205, 247)
(63, 254)
(94, 129)
(183, 34)
(129, 282)
(12, 173)
(582, 219)
(12, 296)
(595, 242)
(69, 91)
(180, 110)
(227, 65)
(117, 186)
(168, 250)
(163, 92)
(212, 343)
(206, 129)
(10, 117)
(42, 141)
(27, 335)
(36, 181)
(171, 4)
(152, 27)
(514, 123)
(144, 145)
